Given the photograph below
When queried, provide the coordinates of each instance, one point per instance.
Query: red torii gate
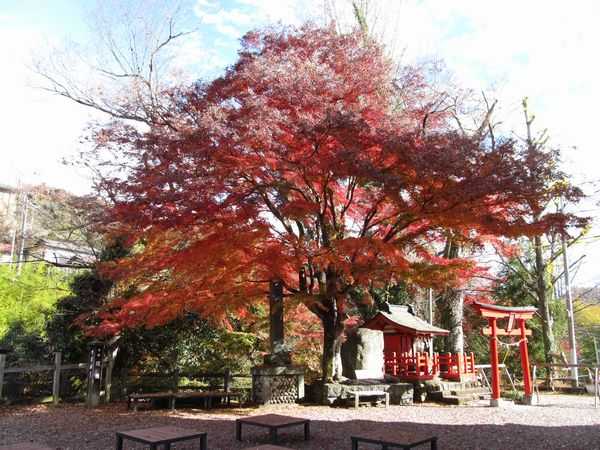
(493, 313)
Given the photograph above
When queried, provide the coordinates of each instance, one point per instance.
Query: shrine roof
(402, 319)
(488, 309)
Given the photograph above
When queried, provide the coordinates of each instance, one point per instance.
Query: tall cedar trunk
(543, 301)
(451, 305)
(333, 330)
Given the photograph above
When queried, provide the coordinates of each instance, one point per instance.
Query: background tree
(27, 302)
(536, 268)
(128, 65)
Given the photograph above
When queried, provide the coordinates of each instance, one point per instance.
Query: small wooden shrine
(403, 332)
(408, 347)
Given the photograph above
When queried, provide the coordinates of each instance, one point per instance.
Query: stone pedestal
(341, 393)
(277, 384)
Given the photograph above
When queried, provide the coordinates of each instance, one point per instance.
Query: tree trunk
(451, 304)
(333, 331)
(331, 364)
(543, 301)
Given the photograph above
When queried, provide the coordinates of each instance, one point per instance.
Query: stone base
(277, 384)
(339, 393)
(500, 403)
(528, 400)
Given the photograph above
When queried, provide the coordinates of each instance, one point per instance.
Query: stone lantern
(277, 380)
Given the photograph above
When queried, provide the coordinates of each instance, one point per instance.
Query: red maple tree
(307, 163)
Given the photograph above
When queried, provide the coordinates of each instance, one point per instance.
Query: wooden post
(2, 366)
(525, 362)
(112, 355)
(56, 378)
(495, 400)
(94, 375)
(226, 379)
(596, 388)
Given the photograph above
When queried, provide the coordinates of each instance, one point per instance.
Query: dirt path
(568, 422)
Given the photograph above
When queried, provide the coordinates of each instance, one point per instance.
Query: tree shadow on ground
(77, 428)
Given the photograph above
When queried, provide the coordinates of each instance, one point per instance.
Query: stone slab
(336, 393)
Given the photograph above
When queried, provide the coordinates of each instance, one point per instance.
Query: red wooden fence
(421, 367)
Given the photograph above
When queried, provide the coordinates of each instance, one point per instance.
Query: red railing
(453, 365)
(409, 367)
(421, 367)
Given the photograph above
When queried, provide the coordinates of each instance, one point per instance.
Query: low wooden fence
(109, 386)
(56, 369)
(593, 378)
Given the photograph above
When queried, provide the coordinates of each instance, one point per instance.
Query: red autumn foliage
(307, 162)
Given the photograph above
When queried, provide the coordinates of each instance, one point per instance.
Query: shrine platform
(341, 393)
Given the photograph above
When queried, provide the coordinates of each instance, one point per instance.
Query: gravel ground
(561, 421)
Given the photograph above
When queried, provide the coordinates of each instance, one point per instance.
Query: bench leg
(434, 444)
(238, 430)
(387, 399)
(356, 400)
(273, 435)
(203, 442)
(354, 444)
(119, 445)
(307, 431)
(172, 403)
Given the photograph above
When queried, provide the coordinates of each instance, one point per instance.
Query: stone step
(458, 400)
(477, 390)
(458, 397)
(455, 385)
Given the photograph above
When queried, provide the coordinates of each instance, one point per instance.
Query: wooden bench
(172, 397)
(269, 447)
(25, 446)
(135, 398)
(208, 395)
(161, 436)
(358, 394)
(273, 422)
(391, 439)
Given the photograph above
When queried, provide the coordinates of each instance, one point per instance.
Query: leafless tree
(128, 64)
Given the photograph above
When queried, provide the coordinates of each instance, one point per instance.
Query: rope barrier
(507, 344)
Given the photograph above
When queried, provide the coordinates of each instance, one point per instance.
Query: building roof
(62, 253)
(7, 189)
(401, 319)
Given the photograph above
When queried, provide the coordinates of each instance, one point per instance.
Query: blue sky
(544, 50)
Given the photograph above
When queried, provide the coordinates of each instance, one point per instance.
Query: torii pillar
(493, 314)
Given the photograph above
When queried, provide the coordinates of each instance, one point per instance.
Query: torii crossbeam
(493, 314)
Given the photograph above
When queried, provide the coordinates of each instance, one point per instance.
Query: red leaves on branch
(306, 162)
